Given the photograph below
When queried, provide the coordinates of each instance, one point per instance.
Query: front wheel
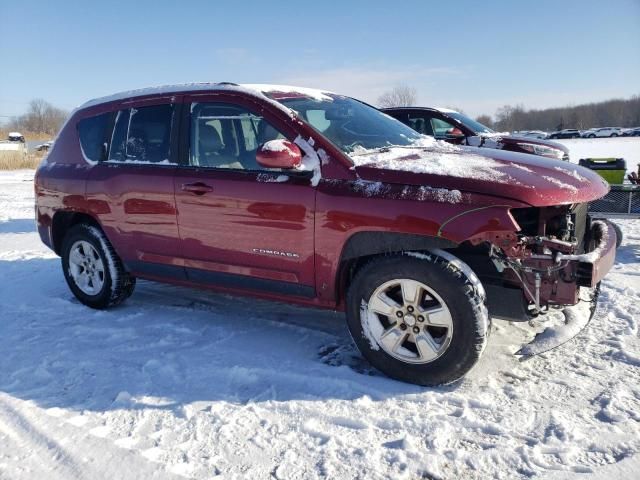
(94, 272)
(614, 134)
(418, 317)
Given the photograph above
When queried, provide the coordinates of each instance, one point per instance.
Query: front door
(242, 226)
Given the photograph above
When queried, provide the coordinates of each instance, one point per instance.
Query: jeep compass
(315, 198)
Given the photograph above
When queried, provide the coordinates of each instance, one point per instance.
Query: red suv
(315, 198)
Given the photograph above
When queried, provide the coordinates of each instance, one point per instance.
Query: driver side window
(441, 128)
(228, 136)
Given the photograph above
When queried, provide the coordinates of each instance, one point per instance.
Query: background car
(43, 147)
(532, 134)
(603, 132)
(631, 132)
(565, 133)
(455, 127)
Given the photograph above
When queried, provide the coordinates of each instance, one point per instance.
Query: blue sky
(476, 56)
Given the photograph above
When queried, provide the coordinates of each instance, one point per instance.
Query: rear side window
(142, 135)
(93, 133)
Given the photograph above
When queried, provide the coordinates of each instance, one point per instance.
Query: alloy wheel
(409, 320)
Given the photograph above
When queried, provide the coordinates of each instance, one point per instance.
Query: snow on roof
(445, 110)
(252, 89)
(159, 89)
(15, 134)
(307, 92)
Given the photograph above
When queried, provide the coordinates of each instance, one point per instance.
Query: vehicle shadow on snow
(628, 253)
(18, 225)
(168, 346)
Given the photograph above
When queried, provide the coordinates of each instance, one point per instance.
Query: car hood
(513, 139)
(535, 180)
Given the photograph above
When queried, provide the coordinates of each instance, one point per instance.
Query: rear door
(242, 226)
(130, 190)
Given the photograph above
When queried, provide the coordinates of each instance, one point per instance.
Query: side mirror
(454, 133)
(279, 153)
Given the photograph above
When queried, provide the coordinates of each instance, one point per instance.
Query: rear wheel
(94, 272)
(418, 318)
(592, 136)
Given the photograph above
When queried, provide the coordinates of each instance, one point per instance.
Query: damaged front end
(556, 251)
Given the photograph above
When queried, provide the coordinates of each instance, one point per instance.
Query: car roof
(185, 88)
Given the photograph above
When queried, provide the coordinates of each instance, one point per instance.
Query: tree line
(609, 113)
(40, 117)
(43, 117)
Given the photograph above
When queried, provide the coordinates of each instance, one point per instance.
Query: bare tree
(485, 120)
(400, 96)
(41, 117)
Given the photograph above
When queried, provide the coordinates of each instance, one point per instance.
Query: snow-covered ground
(622, 147)
(181, 383)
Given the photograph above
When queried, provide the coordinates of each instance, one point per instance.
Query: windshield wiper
(387, 148)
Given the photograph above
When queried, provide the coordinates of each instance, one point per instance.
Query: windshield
(470, 123)
(350, 124)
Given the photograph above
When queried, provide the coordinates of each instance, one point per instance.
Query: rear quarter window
(93, 134)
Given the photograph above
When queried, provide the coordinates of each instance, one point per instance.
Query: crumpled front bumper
(594, 265)
(558, 278)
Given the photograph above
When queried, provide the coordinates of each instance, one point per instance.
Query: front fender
(479, 223)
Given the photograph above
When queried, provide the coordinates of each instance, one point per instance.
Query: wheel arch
(63, 220)
(362, 246)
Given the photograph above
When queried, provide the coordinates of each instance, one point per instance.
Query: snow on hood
(531, 179)
(433, 157)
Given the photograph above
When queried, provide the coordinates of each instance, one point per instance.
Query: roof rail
(228, 83)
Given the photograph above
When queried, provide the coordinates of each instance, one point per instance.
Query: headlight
(542, 150)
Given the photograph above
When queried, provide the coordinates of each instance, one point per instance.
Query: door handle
(198, 188)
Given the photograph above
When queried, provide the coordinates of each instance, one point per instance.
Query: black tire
(619, 235)
(614, 135)
(455, 284)
(592, 136)
(118, 284)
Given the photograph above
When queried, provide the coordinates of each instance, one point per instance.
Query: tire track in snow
(53, 449)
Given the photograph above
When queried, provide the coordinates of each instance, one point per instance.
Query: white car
(602, 132)
(15, 142)
(532, 134)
